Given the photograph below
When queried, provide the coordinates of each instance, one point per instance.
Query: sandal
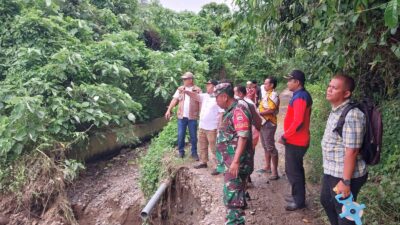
(263, 171)
(274, 177)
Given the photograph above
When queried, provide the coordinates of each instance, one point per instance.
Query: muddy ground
(107, 192)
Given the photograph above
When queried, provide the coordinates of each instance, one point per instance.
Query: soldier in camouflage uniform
(234, 151)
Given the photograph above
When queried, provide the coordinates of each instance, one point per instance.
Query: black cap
(298, 75)
(213, 82)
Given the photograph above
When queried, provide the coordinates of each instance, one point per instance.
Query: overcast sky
(191, 5)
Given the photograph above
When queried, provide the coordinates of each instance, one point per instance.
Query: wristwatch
(346, 182)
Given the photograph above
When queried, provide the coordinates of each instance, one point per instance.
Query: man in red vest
(296, 138)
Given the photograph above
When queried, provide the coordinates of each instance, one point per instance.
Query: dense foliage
(71, 68)
(358, 37)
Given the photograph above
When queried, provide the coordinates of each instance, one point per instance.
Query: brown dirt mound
(42, 199)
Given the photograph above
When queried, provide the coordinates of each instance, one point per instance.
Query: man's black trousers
(332, 207)
(295, 172)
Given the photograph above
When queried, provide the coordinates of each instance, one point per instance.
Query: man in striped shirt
(344, 169)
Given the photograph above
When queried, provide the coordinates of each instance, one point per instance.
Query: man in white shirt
(210, 115)
(188, 113)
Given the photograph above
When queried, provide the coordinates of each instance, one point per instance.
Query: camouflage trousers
(234, 198)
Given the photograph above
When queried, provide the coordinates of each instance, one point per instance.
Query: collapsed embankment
(40, 192)
(182, 203)
(107, 193)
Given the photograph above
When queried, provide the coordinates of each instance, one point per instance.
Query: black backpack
(372, 142)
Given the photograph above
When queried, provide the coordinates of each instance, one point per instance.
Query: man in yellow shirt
(269, 108)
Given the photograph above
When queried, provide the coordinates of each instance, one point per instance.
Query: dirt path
(267, 204)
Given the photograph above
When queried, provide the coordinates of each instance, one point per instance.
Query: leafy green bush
(69, 69)
(325, 31)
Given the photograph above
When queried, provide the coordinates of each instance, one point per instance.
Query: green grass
(320, 112)
(154, 164)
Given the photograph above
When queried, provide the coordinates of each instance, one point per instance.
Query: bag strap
(342, 118)
(248, 107)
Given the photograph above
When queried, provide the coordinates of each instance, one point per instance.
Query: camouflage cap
(221, 88)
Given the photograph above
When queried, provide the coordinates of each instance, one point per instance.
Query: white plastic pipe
(153, 201)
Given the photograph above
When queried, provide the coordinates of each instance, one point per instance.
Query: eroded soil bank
(108, 193)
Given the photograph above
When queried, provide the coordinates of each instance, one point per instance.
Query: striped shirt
(333, 146)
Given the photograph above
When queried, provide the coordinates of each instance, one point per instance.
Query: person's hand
(168, 115)
(234, 169)
(180, 89)
(280, 141)
(341, 188)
